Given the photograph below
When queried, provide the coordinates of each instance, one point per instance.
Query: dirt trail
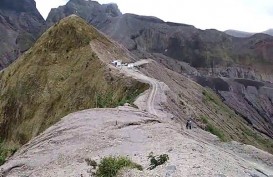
(156, 93)
(62, 149)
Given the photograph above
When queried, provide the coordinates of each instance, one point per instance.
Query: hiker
(188, 125)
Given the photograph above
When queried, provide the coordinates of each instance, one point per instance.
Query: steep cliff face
(20, 26)
(250, 99)
(149, 36)
(93, 12)
(209, 48)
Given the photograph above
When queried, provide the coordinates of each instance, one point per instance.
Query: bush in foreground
(110, 166)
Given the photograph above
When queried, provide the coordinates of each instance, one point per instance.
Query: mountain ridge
(147, 35)
(210, 53)
(243, 34)
(60, 74)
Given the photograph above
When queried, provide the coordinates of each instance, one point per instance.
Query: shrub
(2, 160)
(204, 119)
(157, 160)
(2, 153)
(210, 128)
(110, 166)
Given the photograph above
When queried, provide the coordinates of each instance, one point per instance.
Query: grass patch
(237, 128)
(204, 119)
(264, 142)
(4, 153)
(110, 166)
(210, 97)
(212, 129)
(109, 99)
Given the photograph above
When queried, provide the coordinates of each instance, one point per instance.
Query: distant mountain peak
(91, 11)
(243, 34)
(269, 31)
(237, 33)
(19, 6)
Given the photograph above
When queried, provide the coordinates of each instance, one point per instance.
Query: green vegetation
(204, 119)
(59, 75)
(262, 141)
(224, 123)
(4, 153)
(105, 100)
(110, 166)
(210, 96)
(212, 129)
(157, 160)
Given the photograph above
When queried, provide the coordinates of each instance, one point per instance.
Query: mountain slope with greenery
(60, 74)
(209, 53)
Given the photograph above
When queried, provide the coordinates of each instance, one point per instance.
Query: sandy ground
(96, 133)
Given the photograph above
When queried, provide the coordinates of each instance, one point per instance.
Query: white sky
(244, 15)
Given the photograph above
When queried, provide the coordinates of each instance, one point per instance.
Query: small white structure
(117, 63)
(130, 65)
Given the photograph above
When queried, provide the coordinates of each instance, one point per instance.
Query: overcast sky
(244, 15)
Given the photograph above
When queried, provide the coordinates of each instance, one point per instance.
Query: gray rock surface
(93, 12)
(145, 35)
(250, 99)
(20, 26)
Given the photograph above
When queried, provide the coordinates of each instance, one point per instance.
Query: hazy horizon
(241, 15)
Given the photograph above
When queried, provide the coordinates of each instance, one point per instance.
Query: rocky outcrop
(250, 99)
(148, 36)
(20, 26)
(232, 72)
(93, 12)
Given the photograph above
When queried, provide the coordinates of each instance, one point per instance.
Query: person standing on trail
(188, 125)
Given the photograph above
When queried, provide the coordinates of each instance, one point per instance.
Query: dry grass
(59, 75)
